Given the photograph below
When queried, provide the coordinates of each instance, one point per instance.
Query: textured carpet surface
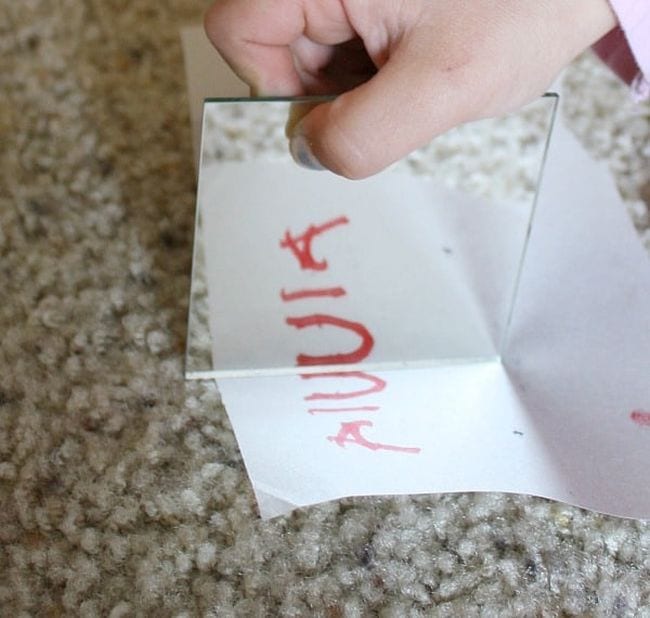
(122, 492)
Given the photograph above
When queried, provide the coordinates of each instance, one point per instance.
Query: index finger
(255, 37)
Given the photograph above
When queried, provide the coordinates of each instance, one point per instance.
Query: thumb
(364, 130)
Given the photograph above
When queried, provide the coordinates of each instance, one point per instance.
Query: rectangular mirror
(303, 271)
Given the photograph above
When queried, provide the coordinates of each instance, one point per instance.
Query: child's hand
(408, 69)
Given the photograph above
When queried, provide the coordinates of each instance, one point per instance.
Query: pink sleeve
(634, 20)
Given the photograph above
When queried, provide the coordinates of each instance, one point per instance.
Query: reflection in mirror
(296, 270)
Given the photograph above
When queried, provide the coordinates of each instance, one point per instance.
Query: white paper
(579, 352)
(563, 414)
(554, 419)
(458, 428)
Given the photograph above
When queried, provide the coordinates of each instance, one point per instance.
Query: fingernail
(302, 153)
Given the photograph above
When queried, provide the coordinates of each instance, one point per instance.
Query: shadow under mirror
(296, 270)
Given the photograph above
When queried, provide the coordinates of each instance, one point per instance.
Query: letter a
(300, 246)
(350, 433)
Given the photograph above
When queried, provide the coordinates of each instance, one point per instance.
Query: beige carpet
(122, 492)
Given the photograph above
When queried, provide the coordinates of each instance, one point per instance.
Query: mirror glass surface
(303, 271)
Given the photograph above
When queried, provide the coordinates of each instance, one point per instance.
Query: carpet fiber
(122, 491)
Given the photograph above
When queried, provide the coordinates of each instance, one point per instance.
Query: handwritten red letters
(350, 431)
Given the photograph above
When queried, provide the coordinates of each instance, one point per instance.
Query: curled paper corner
(270, 505)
